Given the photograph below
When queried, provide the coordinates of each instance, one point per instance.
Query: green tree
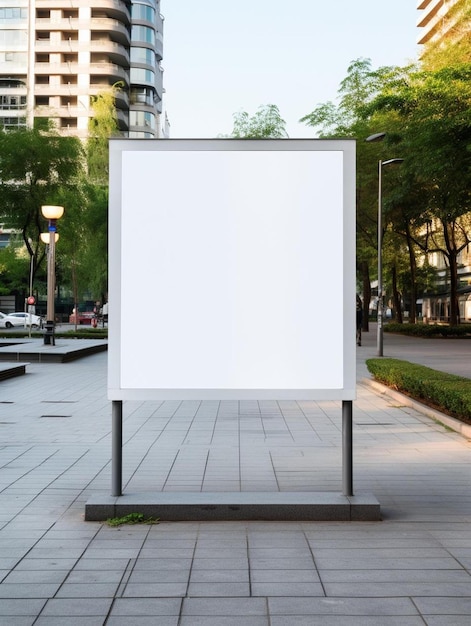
(36, 167)
(102, 126)
(14, 268)
(266, 123)
(434, 109)
(347, 119)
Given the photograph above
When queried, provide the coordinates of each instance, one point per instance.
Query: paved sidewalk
(413, 568)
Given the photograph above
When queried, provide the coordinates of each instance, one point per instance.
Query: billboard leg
(347, 447)
(116, 447)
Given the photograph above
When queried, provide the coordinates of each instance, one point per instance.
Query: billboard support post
(347, 447)
(117, 447)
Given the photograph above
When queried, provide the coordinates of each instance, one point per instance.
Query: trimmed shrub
(428, 330)
(447, 392)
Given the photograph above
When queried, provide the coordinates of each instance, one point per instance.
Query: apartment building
(55, 55)
(435, 19)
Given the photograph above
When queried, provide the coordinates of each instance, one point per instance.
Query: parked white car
(19, 319)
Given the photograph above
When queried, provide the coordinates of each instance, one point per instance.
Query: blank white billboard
(232, 269)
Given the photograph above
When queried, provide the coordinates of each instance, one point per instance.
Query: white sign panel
(232, 269)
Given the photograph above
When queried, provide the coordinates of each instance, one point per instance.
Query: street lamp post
(52, 214)
(31, 267)
(379, 341)
(380, 312)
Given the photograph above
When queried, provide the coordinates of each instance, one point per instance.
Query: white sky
(223, 56)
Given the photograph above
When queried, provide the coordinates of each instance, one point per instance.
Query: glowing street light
(52, 214)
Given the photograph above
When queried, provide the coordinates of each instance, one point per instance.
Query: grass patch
(131, 518)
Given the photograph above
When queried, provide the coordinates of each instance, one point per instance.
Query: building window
(144, 34)
(142, 118)
(12, 122)
(13, 14)
(13, 37)
(142, 12)
(20, 58)
(12, 102)
(142, 55)
(142, 95)
(139, 75)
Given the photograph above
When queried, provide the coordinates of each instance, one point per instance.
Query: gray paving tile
(94, 576)
(71, 621)
(28, 590)
(287, 589)
(159, 576)
(228, 607)
(346, 620)
(87, 590)
(224, 621)
(155, 590)
(236, 563)
(284, 576)
(165, 553)
(36, 576)
(342, 606)
(441, 605)
(128, 607)
(76, 607)
(23, 607)
(130, 620)
(221, 589)
(302, 563)
(86, 564)
(447, 620)
(358, 590)
(390, 563)
(163, 564)
(220, 576)
(394, 576)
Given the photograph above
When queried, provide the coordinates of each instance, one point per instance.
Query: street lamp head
(376, 137)
(392, 162)
(52, 212)
(46, 238)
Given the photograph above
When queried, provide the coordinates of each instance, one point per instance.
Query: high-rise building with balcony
(56, 55)
(435, 20)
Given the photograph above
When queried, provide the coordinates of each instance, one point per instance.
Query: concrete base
(11, 370)
(200, 506)
(36, 351)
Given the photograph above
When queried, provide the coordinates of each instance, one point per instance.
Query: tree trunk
(396, 296)
(413, 278)
(454, 308)
(452, 257)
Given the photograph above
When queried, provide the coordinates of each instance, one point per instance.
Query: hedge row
(428, 330)
(447, 392)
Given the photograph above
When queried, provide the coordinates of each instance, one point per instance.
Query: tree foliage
(434, 112)
(102, 126)
(266, 123)
(36, 167)
(425, 112)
